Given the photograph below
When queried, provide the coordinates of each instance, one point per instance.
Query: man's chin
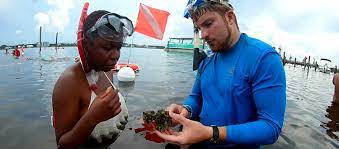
(215, 49)
(107, 69)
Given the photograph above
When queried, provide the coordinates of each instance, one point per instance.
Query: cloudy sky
(299, 27)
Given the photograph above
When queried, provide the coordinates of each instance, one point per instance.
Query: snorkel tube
(81, 37)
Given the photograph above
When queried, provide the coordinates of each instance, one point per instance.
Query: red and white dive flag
(151, 22)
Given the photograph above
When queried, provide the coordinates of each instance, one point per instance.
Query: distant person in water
(16, 52)
(23, 50)
(336, 88)
(83, 97)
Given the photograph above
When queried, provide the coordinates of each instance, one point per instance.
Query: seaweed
(159, 120)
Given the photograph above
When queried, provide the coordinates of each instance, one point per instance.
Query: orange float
(118, 66)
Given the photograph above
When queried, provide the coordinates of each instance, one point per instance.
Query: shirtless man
(76, 113)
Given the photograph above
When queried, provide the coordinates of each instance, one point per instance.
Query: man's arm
(336, 88)
(71, 129)
(269, 93)
(193, 101)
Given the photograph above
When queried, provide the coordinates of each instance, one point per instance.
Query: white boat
(324, 65)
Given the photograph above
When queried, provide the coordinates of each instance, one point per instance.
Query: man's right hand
(177, 109)
(105, 106)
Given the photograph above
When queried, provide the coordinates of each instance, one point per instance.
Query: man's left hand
(192, 132)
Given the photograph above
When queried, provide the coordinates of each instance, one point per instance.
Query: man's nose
(204, 34)
(115, 54)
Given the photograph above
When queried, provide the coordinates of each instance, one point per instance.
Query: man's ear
(230, 17)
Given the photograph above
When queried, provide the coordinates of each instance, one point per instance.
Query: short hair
(210, 6)
(90, 22)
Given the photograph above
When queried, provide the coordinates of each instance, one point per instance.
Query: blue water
(27, 83)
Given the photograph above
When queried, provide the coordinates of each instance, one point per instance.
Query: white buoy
(126, 74)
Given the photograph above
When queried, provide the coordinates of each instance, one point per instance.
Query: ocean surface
(26, 86)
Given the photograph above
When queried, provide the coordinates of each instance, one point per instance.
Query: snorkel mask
(110, 27)
(193, 5)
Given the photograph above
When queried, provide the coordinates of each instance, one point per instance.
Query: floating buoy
(118, 66)
(126, 74)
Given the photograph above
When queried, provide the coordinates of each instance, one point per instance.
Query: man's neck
(235, 38)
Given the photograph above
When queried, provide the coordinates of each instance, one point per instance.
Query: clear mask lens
(113, 27)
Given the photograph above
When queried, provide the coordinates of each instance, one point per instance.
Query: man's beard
(226, 44)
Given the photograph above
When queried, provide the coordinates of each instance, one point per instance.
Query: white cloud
(57, 17)
(301, 28)
(18, 32)
(42, 19)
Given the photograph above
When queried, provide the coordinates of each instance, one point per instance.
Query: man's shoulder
(335, 79)
(68, 88)
(70, 77)
(256, 46)
(256, 53)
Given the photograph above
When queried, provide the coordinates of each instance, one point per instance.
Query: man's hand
(177, 109)
(105, 106)
(193, 131)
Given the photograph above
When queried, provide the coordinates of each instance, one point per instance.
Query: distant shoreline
(62, 45)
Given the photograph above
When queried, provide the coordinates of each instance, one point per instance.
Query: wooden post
(284, 59)
(295, 61)
(56, 42)
(304, 61)
(315, 66)
(40, 40)
(309, 62)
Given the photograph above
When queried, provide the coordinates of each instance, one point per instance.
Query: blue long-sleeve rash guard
(243, 89)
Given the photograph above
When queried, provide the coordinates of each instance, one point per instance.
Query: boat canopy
(325, 59)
